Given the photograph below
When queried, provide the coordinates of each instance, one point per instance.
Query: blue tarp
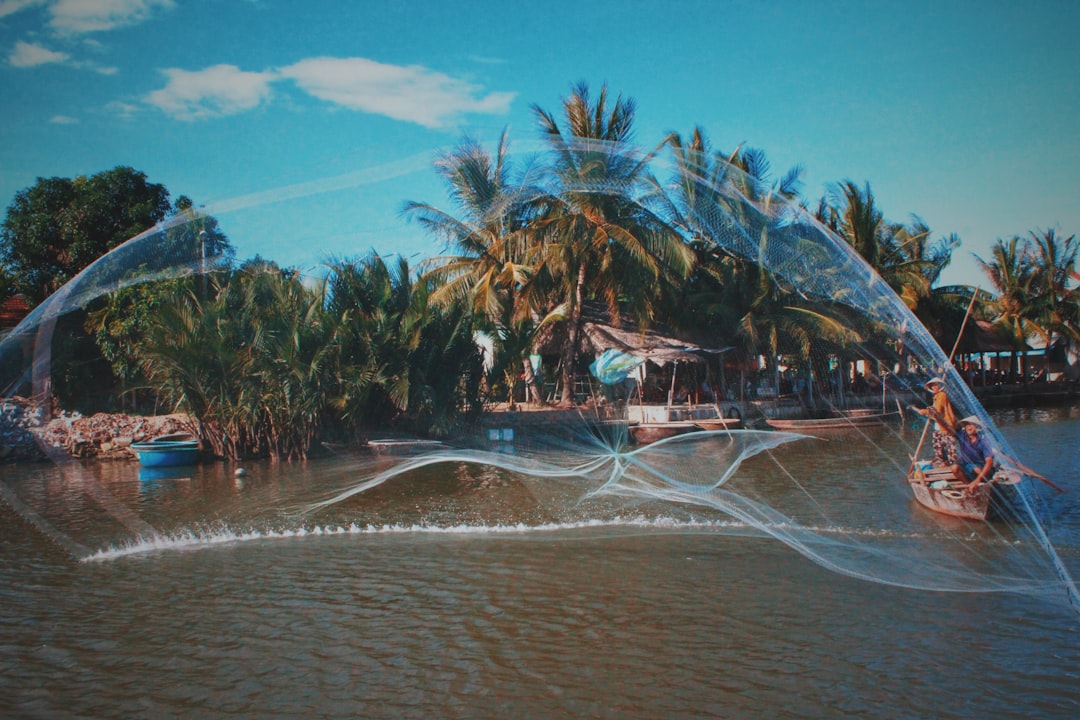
(613, 366)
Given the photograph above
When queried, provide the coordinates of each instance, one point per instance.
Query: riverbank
(27, 434)
(1030, 395)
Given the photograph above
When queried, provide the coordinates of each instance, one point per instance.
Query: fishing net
(796, 338)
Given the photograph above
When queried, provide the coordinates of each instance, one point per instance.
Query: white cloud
(413, 93)
(73, 17)
(63, 120)
(215, 91)
(121, 109)
(10, 7)
(29, 55)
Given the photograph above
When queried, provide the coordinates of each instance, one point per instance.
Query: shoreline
(27, 436)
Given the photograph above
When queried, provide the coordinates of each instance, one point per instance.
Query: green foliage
(250, 359)
(598, 243)
(1031, 277)
(403, 359)
(59, 226)
(267, 363)
(263, 361)
(119, 323)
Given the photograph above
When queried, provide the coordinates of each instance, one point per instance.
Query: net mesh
(836, 493)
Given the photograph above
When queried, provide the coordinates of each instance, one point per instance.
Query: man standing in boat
(976, 455)
(945, 454)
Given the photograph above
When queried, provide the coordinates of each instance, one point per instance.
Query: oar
(1028, 471)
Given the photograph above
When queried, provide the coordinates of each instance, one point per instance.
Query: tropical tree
(118, 324)
(597, 240)
(58, 226)
(853, 214)
(905, 256)
(1056, 306)
(492, 267)
(1012, 273)
(251, 359)
(727, 206)
(402, 358)
(697, 202)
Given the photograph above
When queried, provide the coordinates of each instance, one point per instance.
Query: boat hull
(719, 424)
(649, 423)
(645, 433)
(811, 425)
(953, 501)
(173, 453)
(936, 489)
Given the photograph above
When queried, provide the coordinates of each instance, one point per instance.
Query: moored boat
(168, 451)
(838, 422)
(649, 432)
(719, 424)
(649, 423)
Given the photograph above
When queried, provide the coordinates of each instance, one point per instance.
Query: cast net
(798, 367)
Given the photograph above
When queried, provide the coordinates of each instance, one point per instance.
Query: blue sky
(304, 126)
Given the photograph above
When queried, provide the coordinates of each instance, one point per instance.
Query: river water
(460, 591)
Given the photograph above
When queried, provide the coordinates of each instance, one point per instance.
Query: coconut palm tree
(727, 206)
(903, 255)
(492, 267)
(852, 213)
(597, 240)
(1054, 261)
(402, 359)
(1012, 273)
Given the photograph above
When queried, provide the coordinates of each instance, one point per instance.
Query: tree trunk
(531, 384)
(569, 349)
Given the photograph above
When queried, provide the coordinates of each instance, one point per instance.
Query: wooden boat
(649, 423)
(838, 422)
(719, 424)
(168, 451)
(936, 489)
(645, 433)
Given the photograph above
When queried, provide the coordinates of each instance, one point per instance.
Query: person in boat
(976, 455)
(945, 427)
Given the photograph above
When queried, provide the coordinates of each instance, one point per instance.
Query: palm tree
(1054, 261)
(598, 241)
(903, 255)
(1013, 273)
(853, 214)
(251, 359)
(492, 270)
(402, 359)
(727, 206)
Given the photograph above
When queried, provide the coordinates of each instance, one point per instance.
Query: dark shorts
(970, 469)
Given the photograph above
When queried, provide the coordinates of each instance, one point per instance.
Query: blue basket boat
(167, 451)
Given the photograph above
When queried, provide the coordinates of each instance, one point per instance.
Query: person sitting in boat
(976, 455)
(945, 454)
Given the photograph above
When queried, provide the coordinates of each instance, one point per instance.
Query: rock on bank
(27, 434)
